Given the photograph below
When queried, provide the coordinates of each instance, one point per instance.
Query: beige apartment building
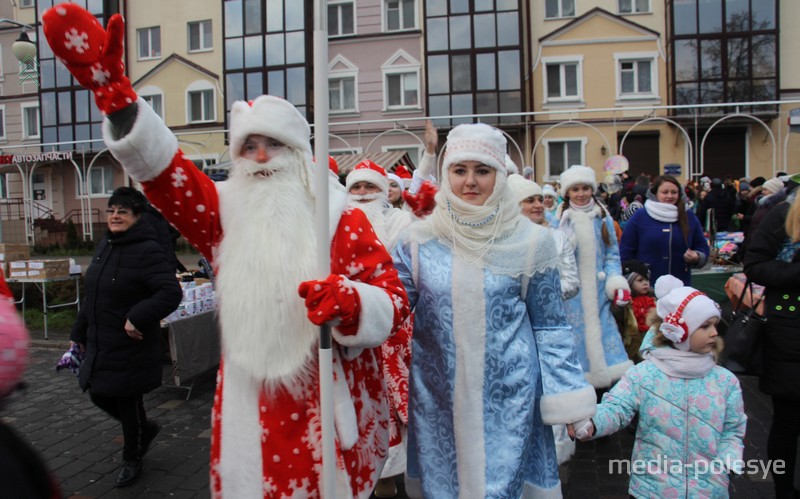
(659, 82)
(696, 87)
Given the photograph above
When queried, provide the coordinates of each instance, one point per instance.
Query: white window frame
(26, 4)
(23, 107)
(105, 170)
(561, 61)
(344, 150)
(338, 4)
(149, 31)
(546, 143)
(634, 9)
(200, 86)
(405, 147)
(560, 9)
(3, 133)
(385, 15)
(387, 106)
(409, 66)
(201, 36)
(341, 78)
(652, 58)
(335, 72)
(153, 91)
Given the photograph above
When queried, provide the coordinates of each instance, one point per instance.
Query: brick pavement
(82, 446)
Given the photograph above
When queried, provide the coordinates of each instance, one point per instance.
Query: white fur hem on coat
(531, 491)
(605, 377)
(614, 283)
(568, 407)
(375, 321)
(148, 148)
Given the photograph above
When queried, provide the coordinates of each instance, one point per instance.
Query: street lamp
(24, 49)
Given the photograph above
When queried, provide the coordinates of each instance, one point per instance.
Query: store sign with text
(8, 159)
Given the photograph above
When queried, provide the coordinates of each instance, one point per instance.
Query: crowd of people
(481, 322)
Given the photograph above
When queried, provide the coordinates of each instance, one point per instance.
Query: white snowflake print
(398, 302)
(346, 285)
(178, 178)
(354, 268)
(379, 270)
(100, 75)
(76, 41)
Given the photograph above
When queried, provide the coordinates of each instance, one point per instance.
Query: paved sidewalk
(82, 446)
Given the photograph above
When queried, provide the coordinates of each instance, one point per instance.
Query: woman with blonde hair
(773, 260)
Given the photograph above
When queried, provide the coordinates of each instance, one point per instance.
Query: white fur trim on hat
(475, 142)
(672, 294)
(522, 189)
(577, 174)
(549, 190)
(398, 180)
(271, 117)
(368, 171)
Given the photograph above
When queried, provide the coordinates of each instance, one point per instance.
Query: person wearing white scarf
(665, 236)
(590, 230)
(690, 410)
(493, 361)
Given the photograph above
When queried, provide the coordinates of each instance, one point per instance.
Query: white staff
(323, 241)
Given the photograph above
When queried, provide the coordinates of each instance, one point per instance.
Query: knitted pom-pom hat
(575, 175)
(682, 309)
(271, 117)
(368, 171)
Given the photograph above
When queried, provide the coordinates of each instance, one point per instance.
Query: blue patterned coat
(684, 425)
(489, 370)
(600, 348)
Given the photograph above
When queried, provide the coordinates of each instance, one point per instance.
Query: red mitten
(92, 54)
(622, 297)
(331, 299)
(422, 203)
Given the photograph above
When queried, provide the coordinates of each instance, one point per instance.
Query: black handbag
(743, 337)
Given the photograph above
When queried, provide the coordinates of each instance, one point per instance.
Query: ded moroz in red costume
(257, 228)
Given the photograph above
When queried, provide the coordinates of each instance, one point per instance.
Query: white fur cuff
(149, 147)
(376, 319)
(614, 283)
(568, 407)
(605, 377)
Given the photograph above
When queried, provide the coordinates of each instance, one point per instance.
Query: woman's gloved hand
(93, 55)
(423, 202)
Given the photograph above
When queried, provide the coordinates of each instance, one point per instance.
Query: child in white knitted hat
(691, 414)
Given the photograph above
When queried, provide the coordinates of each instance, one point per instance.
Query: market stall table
(194, 347)
(41, 284)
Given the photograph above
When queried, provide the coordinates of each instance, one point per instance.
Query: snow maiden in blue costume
(590, 229)
(493, 360)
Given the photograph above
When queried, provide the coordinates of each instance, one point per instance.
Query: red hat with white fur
(368, 171)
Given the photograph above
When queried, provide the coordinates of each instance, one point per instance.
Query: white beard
(268, 248)
(375, 210)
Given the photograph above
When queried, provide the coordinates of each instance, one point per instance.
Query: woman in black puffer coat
(773, 260)
(130, 287)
